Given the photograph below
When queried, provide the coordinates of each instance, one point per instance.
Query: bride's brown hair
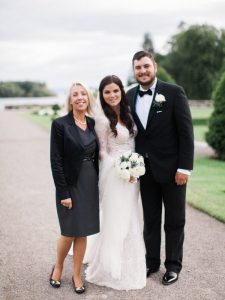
(125, 114)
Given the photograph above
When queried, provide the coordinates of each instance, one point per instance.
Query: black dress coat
(67, 153)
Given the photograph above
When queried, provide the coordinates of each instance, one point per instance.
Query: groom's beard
(146, 84)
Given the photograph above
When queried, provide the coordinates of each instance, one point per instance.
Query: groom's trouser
(173, 197)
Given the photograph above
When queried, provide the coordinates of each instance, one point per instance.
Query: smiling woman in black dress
(74, 163)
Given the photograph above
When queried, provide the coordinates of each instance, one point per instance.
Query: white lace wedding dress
(116, 256)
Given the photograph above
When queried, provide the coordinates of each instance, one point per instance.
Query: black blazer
(168, 138)
(67, 152)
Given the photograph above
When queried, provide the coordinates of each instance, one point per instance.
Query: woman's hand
(133, 179)
(67, 203)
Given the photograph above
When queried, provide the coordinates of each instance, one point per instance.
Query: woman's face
(112, 94)
(79, 98)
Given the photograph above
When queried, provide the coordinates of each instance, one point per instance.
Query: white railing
(31, 101)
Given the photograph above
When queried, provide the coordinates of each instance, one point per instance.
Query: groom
(165, 139)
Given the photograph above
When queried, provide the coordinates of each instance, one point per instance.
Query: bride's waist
(118, 153)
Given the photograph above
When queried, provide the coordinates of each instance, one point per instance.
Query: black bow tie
(142, 93)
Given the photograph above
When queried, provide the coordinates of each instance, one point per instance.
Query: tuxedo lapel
(151, 111)
(133, 109)
(158, 89)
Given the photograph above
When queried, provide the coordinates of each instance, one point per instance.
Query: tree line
(24, 89)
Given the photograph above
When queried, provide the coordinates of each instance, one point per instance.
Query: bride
(116, 256)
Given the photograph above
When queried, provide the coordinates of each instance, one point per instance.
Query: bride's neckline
(120, 124)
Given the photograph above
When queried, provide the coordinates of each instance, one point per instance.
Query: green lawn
(201, 112)
(200, 117)
(206, 187)
(199, 132)
(43, 121)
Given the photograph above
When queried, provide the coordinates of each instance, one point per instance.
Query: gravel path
(29, 230)
(203, 149)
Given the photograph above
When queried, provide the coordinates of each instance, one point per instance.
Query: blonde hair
(90, 98)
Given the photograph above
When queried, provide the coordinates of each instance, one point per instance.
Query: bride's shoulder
(101, 120)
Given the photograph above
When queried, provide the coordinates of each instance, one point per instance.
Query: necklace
(80, 122)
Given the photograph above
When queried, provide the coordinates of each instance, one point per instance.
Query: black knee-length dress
(83, 219)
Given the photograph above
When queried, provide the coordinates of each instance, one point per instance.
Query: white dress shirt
(143, 105)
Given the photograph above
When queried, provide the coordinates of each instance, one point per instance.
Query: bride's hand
(67, 203)
(133, 179)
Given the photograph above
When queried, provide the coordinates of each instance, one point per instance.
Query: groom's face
(145, 71)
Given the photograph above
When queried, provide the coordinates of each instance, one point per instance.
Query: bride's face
(112, 94)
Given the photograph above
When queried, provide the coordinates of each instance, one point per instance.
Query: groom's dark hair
(140, 54)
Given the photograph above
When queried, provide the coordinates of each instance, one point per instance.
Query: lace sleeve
(102, 129)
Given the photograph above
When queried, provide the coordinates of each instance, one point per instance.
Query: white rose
(160, 98)
(125, 174)
(127, 154)
(140, 160)
(134, 157)
(123, 165)
(141, 170)
(134, 172)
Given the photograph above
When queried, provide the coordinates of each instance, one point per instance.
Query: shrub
(216, 134)
(164, 75)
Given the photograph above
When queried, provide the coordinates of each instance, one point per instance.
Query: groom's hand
(181, 178)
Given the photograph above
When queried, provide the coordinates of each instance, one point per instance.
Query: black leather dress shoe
(78, 290)
(54, 283)
(151, 271)
(169, 277)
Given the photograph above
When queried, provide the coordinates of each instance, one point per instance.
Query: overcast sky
(61, 41)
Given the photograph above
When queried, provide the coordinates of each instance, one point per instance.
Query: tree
(216, 134)
(10, 89)
(164, 75)
(56, 109)
(24, 89)
(195, 59)
(148, 43)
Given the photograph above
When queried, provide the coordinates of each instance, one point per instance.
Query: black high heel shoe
(78, 290)
(54, 283)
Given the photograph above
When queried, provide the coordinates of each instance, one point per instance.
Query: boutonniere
(158, 101)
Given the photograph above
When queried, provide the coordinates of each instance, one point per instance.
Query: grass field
(200, 117)
(43, 121)
(206, 187)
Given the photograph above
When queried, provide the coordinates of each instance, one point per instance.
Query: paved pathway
(203, 149)
(29, 230)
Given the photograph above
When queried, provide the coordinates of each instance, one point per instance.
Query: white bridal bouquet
(130, 164)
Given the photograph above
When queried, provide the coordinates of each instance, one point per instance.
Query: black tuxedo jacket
(67, 152)
(168, 138)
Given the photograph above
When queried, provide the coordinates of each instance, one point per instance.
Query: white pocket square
(159, 111)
